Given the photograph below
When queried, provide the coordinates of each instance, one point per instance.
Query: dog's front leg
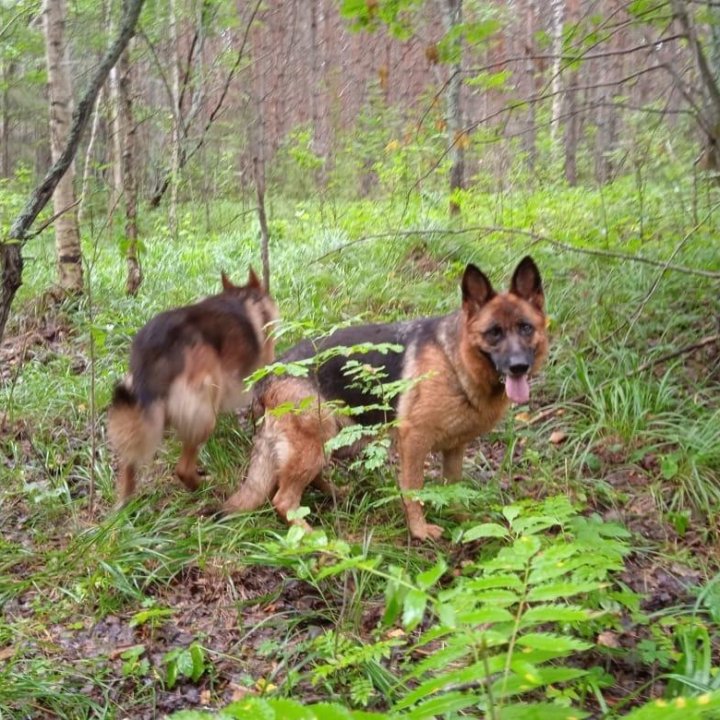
(412, 463)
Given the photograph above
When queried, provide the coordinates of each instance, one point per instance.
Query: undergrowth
(579, 573)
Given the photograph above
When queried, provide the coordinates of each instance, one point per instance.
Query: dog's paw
(212, 512)
(426, 531)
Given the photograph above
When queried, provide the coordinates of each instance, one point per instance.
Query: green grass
(273, 612)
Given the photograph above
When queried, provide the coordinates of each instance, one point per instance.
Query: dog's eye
(494, 334)
(525, 328)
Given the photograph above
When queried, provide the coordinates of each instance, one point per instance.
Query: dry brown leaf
(607, 638)
(239, 692)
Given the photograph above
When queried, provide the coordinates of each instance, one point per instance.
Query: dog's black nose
(519, 369)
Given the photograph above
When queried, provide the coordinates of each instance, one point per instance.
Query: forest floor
(161, 607)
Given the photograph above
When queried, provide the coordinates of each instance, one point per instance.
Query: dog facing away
(468, 366)
(186, 366)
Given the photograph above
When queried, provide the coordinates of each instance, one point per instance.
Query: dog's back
(186, 366)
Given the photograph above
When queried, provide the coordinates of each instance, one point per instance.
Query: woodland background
(362, 152)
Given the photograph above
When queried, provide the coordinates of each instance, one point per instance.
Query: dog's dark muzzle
(514, 368)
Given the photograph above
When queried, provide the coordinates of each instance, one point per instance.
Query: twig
(656, 282)
(51, 220)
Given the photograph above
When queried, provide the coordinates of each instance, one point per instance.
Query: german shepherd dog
(468, 367)
(186, 366)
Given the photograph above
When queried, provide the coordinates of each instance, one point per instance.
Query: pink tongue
(517, 389)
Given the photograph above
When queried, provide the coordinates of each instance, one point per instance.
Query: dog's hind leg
(261, 479)
(134, 433)
(453, 463)
(192, 410)
(300, 466)
(328, 488)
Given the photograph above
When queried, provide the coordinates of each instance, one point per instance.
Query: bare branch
(186, 156)
(536, 237)
(81, 116)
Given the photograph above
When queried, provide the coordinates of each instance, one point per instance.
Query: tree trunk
(259, 172)
(126, 129)
(7, 73)
(452, 17)
(529, 126)
(573, 123)
(67, 235)
(116, 184)
(11, 262)
(176, 146)
(557, 13)
(315, 114)
(709, 115)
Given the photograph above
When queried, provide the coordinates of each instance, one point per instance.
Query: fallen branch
(536, 237)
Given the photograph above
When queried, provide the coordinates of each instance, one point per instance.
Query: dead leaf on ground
(609, 639)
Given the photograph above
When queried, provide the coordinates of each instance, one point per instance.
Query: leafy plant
(507, 624)
(189, 663)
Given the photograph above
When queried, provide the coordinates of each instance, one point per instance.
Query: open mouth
(517, 388)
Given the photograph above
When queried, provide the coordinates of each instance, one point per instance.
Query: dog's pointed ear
(226, 282)
(476, 289)
(526, 283)
(253, 280)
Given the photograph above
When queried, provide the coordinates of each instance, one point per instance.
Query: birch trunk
(176, 129)
(557, 12)
(7, 73)
(452, 17)
(121, 83)
(67, 235)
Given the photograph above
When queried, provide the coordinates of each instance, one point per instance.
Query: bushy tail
(134, 433)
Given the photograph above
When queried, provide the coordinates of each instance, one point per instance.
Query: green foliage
(353, 613)
(507, 623)
(187, 663)
(256, 709)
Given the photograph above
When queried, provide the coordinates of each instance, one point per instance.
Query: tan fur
(208, 384)
(134, 436)
(458, 395)
(288, 451)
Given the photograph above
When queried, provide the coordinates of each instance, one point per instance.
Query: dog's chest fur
(447, 408)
